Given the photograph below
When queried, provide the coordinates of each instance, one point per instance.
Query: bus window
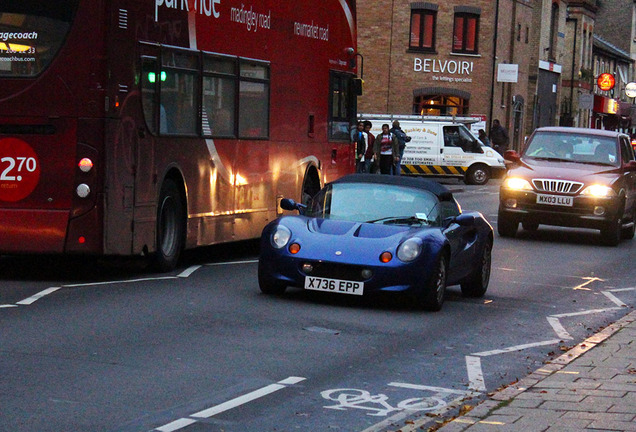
(31, 33)
(253, 100)
(148, 91)
(178, 93)
(342, 106)
(219, 90)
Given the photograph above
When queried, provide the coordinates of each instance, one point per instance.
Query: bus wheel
(170, 228)
(477, 175)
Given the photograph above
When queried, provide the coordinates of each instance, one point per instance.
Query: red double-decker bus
(132, 127)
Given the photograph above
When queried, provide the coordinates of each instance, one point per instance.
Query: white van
(443, 146)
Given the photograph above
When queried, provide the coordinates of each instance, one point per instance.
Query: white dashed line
(226, 406)
(36, 297)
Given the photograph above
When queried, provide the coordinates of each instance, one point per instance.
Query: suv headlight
(280, 237)
(516, 183)
(599, 191)
(409, 249)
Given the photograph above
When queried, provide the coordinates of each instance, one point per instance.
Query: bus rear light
(85, 165)
(83, 190)
(81, 240)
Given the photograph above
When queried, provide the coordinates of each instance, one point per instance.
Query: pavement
(592, 387)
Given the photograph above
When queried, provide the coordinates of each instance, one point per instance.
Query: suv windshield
(31, 33)
(573, 147)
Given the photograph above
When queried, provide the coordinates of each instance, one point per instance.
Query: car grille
(557, 186)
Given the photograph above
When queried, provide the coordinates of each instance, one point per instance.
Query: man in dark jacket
(499, 137)
(402, 138)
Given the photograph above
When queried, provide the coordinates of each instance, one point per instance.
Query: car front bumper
(585, 212)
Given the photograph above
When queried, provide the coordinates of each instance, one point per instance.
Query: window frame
(423, 30)
(467, 17)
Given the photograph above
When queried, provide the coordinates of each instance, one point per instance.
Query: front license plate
(334, 285)
(556, 200)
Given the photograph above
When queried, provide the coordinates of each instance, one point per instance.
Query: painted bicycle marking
(378, 404)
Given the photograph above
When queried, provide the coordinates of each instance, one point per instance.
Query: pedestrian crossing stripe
(433, 170)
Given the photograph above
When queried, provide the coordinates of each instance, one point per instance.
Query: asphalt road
(108, 346)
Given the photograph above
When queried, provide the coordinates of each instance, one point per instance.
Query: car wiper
(399, 220)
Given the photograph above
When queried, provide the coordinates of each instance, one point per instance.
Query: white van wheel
(477, 175)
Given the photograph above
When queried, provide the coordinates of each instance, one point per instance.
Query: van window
(459, 136)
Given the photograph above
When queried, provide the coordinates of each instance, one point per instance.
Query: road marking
(475, 374)
(231, 263)
(186, 273)
(36, 297)
(236, 402)
(8, 306)
(517, 348)
(587, 312)
(558, 328)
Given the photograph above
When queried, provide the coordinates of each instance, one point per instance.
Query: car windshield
(572, 147)
(376, 203)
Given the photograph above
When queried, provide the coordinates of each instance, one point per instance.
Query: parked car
(368, 233)
(571, 177)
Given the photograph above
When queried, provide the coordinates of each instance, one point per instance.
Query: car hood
(352, 242)
(544, 169)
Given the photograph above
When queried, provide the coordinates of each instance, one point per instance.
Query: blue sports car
(367, 233)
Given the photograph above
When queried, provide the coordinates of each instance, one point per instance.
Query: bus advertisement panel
(131, 127)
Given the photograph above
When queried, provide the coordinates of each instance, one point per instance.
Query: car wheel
(267, 284)
(628, 233)
(611, 234)
(170, 228)
(530, 226)
(506, 226)
(477, 284)
(477, 175)
(432, 296)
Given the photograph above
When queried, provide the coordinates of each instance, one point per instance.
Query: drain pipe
(494, 64)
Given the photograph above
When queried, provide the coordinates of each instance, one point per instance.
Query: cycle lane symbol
(378, 404)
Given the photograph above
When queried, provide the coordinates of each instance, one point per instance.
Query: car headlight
(599, 191)
(280, 237)
(410, 249)
(516, 183)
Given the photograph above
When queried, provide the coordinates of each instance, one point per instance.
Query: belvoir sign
(449, 67)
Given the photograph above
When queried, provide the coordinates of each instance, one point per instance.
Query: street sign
(630, 89)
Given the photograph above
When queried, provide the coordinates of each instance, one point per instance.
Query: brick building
(448, 58)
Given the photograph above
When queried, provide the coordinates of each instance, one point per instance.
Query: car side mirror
(464, 219)
(291, 205)
(512, 156)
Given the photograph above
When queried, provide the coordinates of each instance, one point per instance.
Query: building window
(422, 36)
(465, 33)
(440, 105)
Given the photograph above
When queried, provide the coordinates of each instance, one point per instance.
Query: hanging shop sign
(606, 81)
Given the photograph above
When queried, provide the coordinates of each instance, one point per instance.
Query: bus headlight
(83, 190)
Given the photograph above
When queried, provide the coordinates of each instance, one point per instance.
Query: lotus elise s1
(369, 233)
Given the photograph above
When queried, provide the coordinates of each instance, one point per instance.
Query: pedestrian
(386, 150)
(484, 138)
(499, 137)
(402, 138)
(360, 139)
(370, 164)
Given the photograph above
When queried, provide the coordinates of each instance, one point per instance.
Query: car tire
(432, 296)
(170, 230)
(267, 284)
(477, 283)
(506, 226)
(628, 232)
(530, 226)
(612, 233)
(477, 175)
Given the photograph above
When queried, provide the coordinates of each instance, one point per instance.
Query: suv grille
(558, 186)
